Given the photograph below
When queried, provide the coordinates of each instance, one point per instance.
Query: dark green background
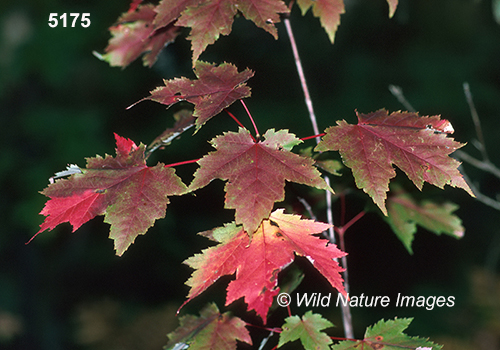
(59, 104)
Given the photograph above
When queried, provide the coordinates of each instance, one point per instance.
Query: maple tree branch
(346, 311)
(303, 83)
(397, 91)
(477, 122)
(485, 164)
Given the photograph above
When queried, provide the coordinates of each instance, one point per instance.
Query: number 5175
(73, 17)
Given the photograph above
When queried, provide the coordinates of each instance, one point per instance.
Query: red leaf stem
(313, 136)
(250, 116)
(182, 163)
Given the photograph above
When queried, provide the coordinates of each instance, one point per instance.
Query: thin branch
(477, 122)
(479, 196)
(302, 78)
(346, 311)
(397, 91)
(484, 165)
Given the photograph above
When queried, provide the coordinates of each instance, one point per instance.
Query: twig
(397, 91)
(477, 122)
(479, 196)
(484, 164)
(346, 311)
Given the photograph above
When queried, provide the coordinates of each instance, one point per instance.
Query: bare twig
(346, 311)
(479, 196)
(485, 164)
(397, 91)
(477, 122)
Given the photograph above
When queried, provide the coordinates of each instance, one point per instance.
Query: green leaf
(308, 330)
(211, 330)
(387, 335)
(404, 214)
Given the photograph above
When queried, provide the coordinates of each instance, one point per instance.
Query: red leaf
(133, 5)
(215, 89)
(131, 194)
(257, 263)
(208, 21)
(328, 12)
(417, 145)
(211, 330)
(135, 34)
(169, 10)
(256, 172)
(264, 13)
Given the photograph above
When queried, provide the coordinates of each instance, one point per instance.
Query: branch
(397, 91)
(477, 122)
(485, 164)
(346, 311)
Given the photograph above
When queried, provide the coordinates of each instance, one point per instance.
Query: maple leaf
(135, 34)
(130, 194)
(264, 13)
(308, 330)
(328, 12)
(169, 10)
(405, 214)
(212, 330)
(387, 335)
(417, 145)
(207, 21)
(210, 19)
(258, 262)
(256, 172)
(215, 89)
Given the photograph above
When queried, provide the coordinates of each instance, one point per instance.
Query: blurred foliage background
(59, 104)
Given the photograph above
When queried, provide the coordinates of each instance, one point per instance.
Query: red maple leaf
(256, 172)
(135, 34)
(258, 262)
(207, 21)
(417, 145)
(130, 194)
(328, 12)
(215, 89)
(210, 19)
